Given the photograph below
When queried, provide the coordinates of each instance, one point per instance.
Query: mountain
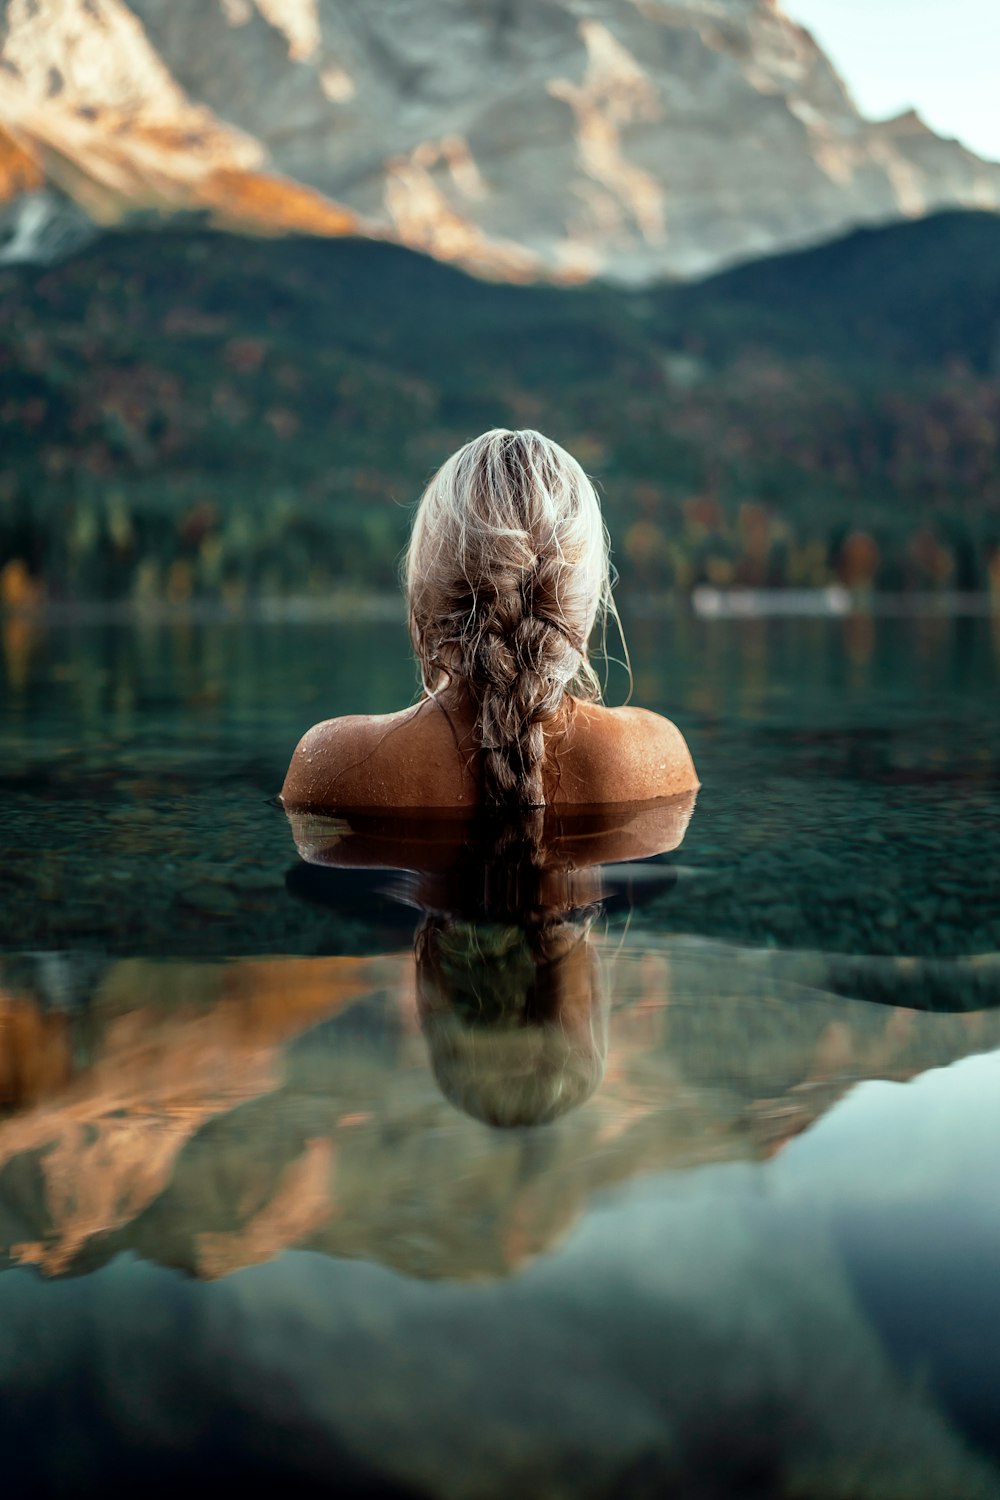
(522, 139)
(905, 296)
(210, 1116)
(196, 414)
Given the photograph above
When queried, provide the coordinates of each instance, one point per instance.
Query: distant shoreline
(373, 607)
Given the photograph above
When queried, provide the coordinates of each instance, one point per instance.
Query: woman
(507, 575)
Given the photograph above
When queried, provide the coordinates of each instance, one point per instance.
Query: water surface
(252, 1220)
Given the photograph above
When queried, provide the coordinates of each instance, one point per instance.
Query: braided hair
(507, 572)
(510, 993)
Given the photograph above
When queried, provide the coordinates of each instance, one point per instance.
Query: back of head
(507, 572)
(515, 1017)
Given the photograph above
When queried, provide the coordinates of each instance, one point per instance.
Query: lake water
(738, 1233)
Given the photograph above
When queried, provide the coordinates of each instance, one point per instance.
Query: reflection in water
(244, 1233)
(508, 985)
(513, 1016)
(208, 1117)
(211, 1117)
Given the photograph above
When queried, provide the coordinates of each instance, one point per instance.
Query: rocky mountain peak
(524, 139)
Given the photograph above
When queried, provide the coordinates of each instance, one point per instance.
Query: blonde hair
(507, 573)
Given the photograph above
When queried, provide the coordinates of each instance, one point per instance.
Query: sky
(940, 57)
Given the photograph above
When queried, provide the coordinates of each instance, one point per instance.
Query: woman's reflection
(510, 991)
(514, 1012)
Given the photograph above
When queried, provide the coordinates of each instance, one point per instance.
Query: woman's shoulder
(632, 753)
(332, 761)
(370, 760)
(420, 756)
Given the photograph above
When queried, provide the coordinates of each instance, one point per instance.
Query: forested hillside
(187, 414)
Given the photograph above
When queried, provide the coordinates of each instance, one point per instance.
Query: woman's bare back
(426, 756)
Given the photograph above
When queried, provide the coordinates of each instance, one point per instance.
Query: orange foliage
(644, 545)
(282, 422)
(755, 529)
(245, 356)
(19, 171)
(18, 589)
(859, 560)
(932, 562)
(703, 513)
(197, 523)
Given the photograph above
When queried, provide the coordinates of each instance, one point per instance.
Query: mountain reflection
(208, 1116)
